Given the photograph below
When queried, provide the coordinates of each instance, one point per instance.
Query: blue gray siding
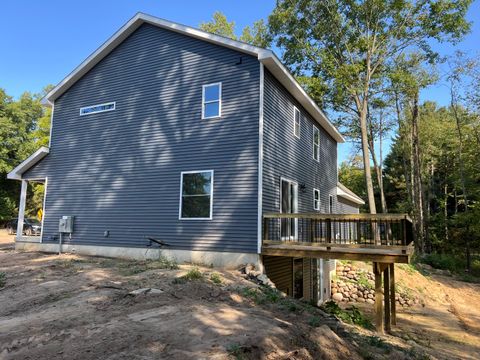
(120, 170)
(345, 206)
(284, 155)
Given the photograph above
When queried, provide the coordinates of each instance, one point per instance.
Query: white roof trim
(267, 57)
(16, 174)
(348, 194)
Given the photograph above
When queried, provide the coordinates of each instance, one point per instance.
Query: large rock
(370, 301)
(337, 297)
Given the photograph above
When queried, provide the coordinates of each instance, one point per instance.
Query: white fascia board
(274, 65)
(16, 174)
(349, 197)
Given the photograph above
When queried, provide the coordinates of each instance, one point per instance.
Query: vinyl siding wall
(120, 170)
(285, 155)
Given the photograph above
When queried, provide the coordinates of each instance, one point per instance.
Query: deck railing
(362, 230)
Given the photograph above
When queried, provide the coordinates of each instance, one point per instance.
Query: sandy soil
(6, 241)
(71, 307)
(447, 323)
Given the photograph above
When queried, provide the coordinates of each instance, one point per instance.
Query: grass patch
(3, 279)
(408, 268)
(236, 351)
(377, 342)
(215, 278)
(351, 315)
(193, 274)
(314, 321)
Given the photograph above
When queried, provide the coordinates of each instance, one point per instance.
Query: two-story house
(171, 141)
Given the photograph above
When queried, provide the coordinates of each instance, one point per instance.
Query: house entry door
(289, 205)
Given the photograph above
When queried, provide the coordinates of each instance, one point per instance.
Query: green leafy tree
(257, 34)
(351, 45)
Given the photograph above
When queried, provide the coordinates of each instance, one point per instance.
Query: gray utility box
(65, 225)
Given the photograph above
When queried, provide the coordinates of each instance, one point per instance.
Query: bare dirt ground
(75, 307)
(447, 324)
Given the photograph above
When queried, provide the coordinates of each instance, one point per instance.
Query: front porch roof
(16, 174)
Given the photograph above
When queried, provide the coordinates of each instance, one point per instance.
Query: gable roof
(348, 194)
(265, 56)
(16, 174)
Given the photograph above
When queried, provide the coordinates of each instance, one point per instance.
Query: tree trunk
(366, 160)
(417, 180)
(445, 211)
(376, 165)
(462, 174)
(401, 131)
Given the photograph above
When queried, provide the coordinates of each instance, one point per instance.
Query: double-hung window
(296, 122)
(316, 199)
(330, 204)
(212, 101)
(316, 143)
(196, 195)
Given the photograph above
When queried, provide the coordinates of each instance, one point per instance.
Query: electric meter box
(65, 225)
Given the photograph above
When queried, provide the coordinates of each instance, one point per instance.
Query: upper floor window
(330, 204)
(316, 199)
(296, 122)
(92, 109)
(212, 101)
(196, 194)
(316, 143)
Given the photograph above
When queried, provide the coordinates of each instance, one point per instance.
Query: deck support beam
(387, 299)
(378, 298)
(393, 305)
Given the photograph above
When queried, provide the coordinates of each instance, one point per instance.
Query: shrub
(350, 315)
(193, 274)
(314, 321)
(215, 278)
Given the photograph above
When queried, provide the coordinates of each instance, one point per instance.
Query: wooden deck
(383, 239)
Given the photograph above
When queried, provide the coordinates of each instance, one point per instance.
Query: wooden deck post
(393, 305)
(386, 297)
(378, 298)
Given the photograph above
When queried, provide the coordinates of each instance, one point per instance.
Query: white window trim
(212, 101)
(313, 144)
(181, 193)
(295, 110)
(318, 204)
(99, 111)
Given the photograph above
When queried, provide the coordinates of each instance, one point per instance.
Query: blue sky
(42, 41)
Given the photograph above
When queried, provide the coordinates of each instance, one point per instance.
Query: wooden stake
(378, 298)
(386, 297)
(393, 305)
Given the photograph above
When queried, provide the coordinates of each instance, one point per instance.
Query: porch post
(21, 209)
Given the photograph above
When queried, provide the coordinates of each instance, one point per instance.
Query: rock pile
(357, 285)
(252, 274)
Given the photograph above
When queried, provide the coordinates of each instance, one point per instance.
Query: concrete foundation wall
(228, 260)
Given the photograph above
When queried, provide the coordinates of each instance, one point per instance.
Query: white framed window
(296, 122)
(196, 195)
(330, 204)
(93, 109)
(316, 143)
(316, 199)
(212, 101)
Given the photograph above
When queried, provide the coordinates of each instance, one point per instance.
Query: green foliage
(351, 315)
(215, 278)
(257, 34)
(452, 263)
(193, 274)
(3, 279)
(315, 321)
(363, 281)
(236, 351)
(24, 127)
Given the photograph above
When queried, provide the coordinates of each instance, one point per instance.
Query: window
(87, 110)
(196, 193)
(296, 122)
(212, 101)
(316, 143)
(330, 204)
(316, 199)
